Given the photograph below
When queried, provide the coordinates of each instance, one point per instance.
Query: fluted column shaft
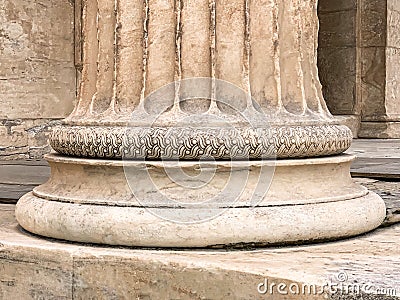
(133, 47)
(267, 48)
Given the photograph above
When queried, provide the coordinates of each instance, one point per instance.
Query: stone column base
(88, 200)
(351, 121)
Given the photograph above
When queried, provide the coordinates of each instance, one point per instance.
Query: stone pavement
(376, 158)
(37, 268)
(17, 177)
(377, 167)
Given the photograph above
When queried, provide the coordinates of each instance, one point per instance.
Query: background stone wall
(380, 60)
(359, 62)
(337, 55)
(37, 73)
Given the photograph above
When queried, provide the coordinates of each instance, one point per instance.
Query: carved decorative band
(195, 143)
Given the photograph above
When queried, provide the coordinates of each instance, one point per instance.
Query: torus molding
(195, 143)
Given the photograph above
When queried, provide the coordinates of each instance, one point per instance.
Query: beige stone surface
(37, 73)
(33, 268)
(380, 130)
(271, 56)
(276, 46)
(318, 180)
(337, 55)
(351, 121)
(239, 202)
(25, 138)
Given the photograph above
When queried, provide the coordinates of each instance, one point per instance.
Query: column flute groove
(105, 59)
(129, 55)
(213, 107)
(161, 52)
(112, 107)
(145, 56)
(196, 54)
(247, 52)
(276, 55)
(87, 86)
(301, 67)
(178, 64)
(231, 61)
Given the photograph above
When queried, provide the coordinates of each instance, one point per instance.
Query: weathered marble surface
(359, 58)
(337, 55)
(270, 56)
(151, 203)
(130, 50)
(37, 73)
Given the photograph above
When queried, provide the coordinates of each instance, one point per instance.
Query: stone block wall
(373, 34)
(37, 73)
(337, 55)
(359, 62)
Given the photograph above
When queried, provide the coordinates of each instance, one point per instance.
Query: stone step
(39, 268)
(20, 177)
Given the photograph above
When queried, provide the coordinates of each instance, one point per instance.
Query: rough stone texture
(271, 57)
(390, 193)
(359, 58)
(337, 55)
(32, 268)
(380, 130)
(239, 202)
(271, 50)
(37, 73)
(25, 138)
(372, 42)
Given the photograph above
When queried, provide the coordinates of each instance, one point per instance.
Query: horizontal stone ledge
(52, 269)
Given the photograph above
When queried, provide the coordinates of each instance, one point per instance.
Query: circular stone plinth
(88, 200)
(57, 270)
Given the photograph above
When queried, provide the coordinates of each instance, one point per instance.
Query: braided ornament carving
(195, 143)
